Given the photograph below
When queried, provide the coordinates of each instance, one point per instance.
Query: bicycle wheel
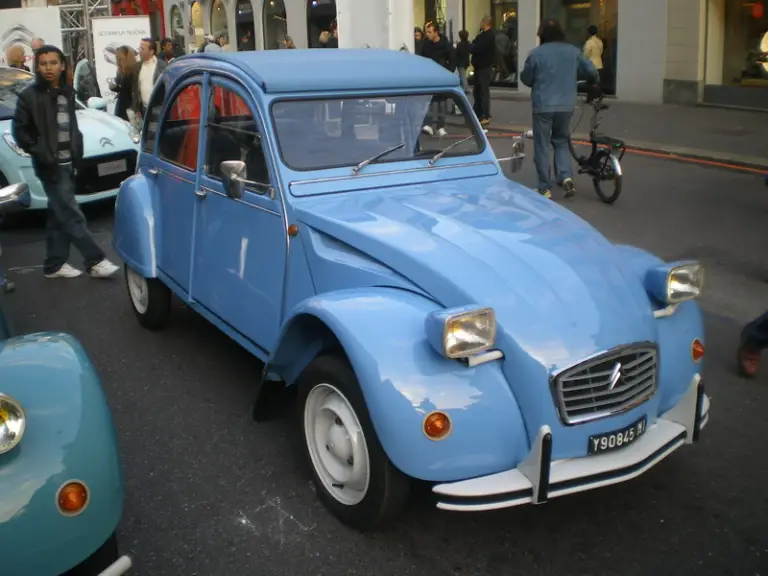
(608, 181)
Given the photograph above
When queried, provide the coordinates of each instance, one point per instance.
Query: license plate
(617, 439)
(114, 167)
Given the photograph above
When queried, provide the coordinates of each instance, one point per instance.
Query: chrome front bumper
(118, 567)
(538, 478)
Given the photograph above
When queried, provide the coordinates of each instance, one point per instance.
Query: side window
(153, 117)
(233, 134)
(180, 129)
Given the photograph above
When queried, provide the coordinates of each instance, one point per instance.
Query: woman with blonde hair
(123, 82)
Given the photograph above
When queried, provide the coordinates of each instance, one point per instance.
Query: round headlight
(12, 422)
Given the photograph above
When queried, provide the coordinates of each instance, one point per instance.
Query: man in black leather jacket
(45, 126)
(483, 56)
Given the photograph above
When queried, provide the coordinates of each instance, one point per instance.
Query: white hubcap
(336, 444)
(138, 291)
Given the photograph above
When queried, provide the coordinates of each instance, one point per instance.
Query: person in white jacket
(593, 49)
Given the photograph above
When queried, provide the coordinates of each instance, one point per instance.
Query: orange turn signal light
(697, 350)
(437, 425)
(72, 498)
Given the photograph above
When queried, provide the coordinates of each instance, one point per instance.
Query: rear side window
(180, 129)
(153, 117)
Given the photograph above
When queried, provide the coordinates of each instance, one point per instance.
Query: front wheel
(150, 298)
(353, 476)
(609, 177)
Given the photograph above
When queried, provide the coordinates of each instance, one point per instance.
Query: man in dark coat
(483, 56)
(45, 126)
(438, 48)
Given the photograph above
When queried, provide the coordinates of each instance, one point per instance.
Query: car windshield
(332, 133)
(12, 82)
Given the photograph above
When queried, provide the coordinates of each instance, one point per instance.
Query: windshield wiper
(442, 152)
(365, 163)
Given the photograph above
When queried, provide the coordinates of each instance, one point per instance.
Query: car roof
(334, 69)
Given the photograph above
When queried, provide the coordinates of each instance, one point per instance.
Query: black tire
(95, 564)
(157, 313)
(387, 490)
(608, 183)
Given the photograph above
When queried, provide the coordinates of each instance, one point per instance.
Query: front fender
(403, 379)
(133, 237)
(675, 334)
(69, 435)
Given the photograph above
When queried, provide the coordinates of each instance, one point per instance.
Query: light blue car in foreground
(61, 486)
(437, 320)
(110, 155)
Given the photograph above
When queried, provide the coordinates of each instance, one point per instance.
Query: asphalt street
(210, 492)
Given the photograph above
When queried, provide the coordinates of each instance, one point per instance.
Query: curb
(670, 151)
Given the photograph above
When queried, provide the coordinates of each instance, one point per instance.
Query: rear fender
(134, 237)
(381, 332)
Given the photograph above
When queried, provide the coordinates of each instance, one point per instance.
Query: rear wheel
(608, 181)
(150, 298)
(352, 474)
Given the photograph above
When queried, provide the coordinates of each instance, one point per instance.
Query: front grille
(88, 179)
(607, 384)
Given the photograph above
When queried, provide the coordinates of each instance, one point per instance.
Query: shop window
(244, 20)
(219, 25)
(577, 17)
(321, 23)
(738, 33)
(275, 24)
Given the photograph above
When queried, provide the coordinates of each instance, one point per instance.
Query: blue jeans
(66, 225)
(554, 128)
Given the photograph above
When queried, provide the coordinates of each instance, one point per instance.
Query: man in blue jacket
(551, 71)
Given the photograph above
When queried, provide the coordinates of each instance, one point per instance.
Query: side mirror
(233, 173)
(96, 103)
(518, 153)
(14, 197)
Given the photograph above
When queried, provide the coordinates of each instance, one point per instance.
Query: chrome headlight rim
(6, 399)
(464, 315)
(693, 268)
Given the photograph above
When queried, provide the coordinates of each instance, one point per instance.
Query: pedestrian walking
(439, 49)
(45, 126)
(593, 50)
(483, 51)
(463, 48)
(123, 83)
(147, 72)
(36, 44)
(551, 71)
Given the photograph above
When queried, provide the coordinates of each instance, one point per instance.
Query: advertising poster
(109, 34)
(22, 25)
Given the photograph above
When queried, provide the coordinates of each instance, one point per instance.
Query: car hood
(559, 288)
(104, 133)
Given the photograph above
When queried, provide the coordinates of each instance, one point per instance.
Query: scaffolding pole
(76, 26)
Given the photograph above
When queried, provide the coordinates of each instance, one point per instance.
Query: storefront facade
(264, 24)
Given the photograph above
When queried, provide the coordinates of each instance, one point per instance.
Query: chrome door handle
(200, 193)
(153, 171)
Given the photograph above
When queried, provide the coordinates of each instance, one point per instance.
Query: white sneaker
(441, 132)
(66, 271)
(428, 130)
(103, 269)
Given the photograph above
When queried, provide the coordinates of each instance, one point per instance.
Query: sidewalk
(715, 134)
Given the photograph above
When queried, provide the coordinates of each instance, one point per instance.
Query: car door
(176, 176)
(240, 244)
